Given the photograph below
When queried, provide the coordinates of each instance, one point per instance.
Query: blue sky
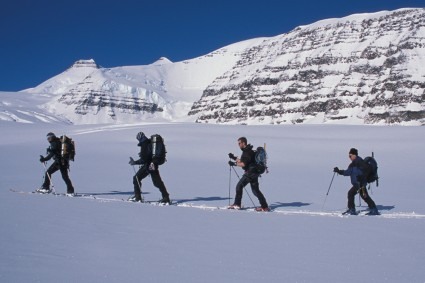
(42, 38)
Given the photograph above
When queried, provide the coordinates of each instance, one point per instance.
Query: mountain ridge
(359, 69)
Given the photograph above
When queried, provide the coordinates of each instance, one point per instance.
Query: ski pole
(48, 176)
(330, 185)
(230, 180)
(244, 187)
(138, 183)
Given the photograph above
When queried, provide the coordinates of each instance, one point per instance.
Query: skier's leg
(239, 189)
(351, 194)
(255, 187)
(157, 182)
(137, 181)
(52, 169)
(65, 177)
(366, 197)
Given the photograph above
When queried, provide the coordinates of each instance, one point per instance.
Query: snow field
(57, 239)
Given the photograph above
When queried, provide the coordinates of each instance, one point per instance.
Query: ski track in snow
(177, 203)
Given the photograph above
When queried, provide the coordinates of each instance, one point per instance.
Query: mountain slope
(165, 91)
(26, 108)
(364, 68)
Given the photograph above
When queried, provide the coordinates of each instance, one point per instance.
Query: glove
(152, 167)
(231, 163)
(336, 170)
(42, 159)
(132, 162)
(232, 156)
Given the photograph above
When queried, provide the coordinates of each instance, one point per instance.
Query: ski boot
(373, 211)
(262, 209)
(135, 199)
(44, 190)
(234, 206)
(350, 211)
(165, 201)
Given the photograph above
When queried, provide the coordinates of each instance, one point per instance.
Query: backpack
(261, 160)
(158, 150)
(372, 172)
(67, 148)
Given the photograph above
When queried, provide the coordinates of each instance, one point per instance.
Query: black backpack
(261, 160)
(372, 172)
(67, 148)
(158, 150)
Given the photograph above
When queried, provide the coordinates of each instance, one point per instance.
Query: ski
(52, 193)
(90, 196)
(360, 213)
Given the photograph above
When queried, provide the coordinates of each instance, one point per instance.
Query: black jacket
(54, 150)
(248, 158)
(145, 153)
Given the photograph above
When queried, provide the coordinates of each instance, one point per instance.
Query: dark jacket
(145, 153)
(54, 150)
(248, 158)
(357, 170)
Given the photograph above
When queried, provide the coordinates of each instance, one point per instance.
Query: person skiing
(357, 170)
(59, 163)
(148, 167)
(247, 162)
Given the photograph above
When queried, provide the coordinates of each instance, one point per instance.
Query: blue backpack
(261, 160)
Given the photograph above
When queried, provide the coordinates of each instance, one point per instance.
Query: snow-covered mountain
(365, 68)
(162, 91)
(23, 107)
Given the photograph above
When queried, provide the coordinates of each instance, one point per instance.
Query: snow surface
(49, 238)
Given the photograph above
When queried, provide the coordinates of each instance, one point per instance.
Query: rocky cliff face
(366, 68)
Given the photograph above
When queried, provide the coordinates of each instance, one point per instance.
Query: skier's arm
(240, 163)
(50, 153)
(135, 162)
(347, 172)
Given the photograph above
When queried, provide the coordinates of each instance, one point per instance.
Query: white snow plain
(48, 238)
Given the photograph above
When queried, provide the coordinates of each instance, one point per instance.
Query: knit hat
(354, 151)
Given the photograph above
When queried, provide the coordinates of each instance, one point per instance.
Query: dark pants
(156, 180)
(249, 178)
(363, 194)
(64, 171)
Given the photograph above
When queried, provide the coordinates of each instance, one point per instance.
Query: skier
(357, 170)
(59, 163)
(247, 162)
(147, 167)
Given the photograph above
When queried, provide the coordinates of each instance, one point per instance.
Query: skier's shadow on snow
(385, 207)
(200, 199)
(290, 204)
(113, 193)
